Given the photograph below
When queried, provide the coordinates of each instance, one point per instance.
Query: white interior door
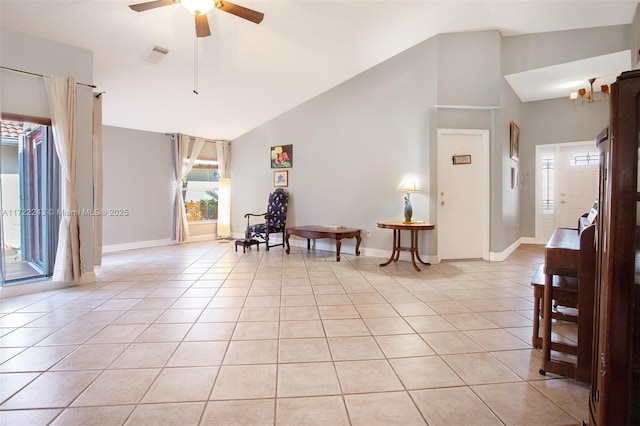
(463, 195)
(577, 183)
(566, 185)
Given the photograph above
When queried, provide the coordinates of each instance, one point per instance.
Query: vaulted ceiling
(246, 73)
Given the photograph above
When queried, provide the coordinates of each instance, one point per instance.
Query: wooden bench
(564, 293)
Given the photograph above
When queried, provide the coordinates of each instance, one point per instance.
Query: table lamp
(409, 184)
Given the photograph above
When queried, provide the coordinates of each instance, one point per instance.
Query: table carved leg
(415, 245)
(394, 252)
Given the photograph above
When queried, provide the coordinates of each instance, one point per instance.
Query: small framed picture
(281, 178)
(515, 177)
(461, 159)
(514, 141)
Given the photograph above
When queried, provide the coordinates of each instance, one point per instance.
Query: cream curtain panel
(186, 155)
(97, 178)
(223, 149)
(61, 93)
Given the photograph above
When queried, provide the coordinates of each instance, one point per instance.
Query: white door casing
(463, 194)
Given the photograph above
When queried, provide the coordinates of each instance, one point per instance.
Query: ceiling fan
(199, 8)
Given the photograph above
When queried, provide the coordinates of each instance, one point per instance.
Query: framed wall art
(281, 156)
(281, 178)
(514, 142)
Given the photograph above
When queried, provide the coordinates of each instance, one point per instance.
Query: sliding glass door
(30, 201)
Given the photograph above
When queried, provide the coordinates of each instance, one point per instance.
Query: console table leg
(415, 244)
(396, 244)
(414, 248)
(358, 239)
(338, 245)
(393, 252)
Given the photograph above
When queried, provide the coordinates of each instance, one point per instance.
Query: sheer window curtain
(186, 155)
(61, 93)
(97, 178)
(224, 192)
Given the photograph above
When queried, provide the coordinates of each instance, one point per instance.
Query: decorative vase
(408, 210)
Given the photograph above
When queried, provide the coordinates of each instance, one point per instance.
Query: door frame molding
(483, 210)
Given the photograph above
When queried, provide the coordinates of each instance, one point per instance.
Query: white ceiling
(248, 74)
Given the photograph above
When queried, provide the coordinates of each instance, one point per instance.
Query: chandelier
(589, 96)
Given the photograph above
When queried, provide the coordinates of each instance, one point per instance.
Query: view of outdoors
(201, 194)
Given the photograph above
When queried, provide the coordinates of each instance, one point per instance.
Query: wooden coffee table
(313, 232)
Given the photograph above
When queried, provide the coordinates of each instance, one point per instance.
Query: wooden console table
(414, 227)
(313, 232)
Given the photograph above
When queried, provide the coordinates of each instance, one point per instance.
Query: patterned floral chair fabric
(275, 219)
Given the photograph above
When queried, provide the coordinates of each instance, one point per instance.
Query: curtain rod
(207, 140)
(40, 75)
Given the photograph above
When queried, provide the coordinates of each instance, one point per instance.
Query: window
(547, 184)
(584, 159)
(200, 187)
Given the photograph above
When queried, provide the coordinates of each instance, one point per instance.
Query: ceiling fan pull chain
(195, 67)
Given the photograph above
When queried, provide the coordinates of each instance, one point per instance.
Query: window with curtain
(200, 187)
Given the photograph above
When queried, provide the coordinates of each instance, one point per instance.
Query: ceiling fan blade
(242, 12)
(141, 7)
(202, 25)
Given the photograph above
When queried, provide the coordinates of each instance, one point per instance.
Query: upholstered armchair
(275, 219)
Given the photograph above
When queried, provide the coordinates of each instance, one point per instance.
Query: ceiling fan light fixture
(198, 7)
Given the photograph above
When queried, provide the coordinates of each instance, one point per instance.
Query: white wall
(138, 177)
(351, 147)
(26, 95)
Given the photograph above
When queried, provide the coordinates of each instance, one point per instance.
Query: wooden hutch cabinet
(614, 396)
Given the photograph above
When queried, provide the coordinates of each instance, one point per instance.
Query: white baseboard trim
(501, 256)
(39, 286)
(137, 245)
(532, 240)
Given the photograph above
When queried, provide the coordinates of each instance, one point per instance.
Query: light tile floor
(201, 334)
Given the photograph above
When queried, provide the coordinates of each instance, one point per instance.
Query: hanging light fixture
(198, 7)
(589, 96)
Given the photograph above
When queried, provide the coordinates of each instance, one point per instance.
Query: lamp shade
(409, 183)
